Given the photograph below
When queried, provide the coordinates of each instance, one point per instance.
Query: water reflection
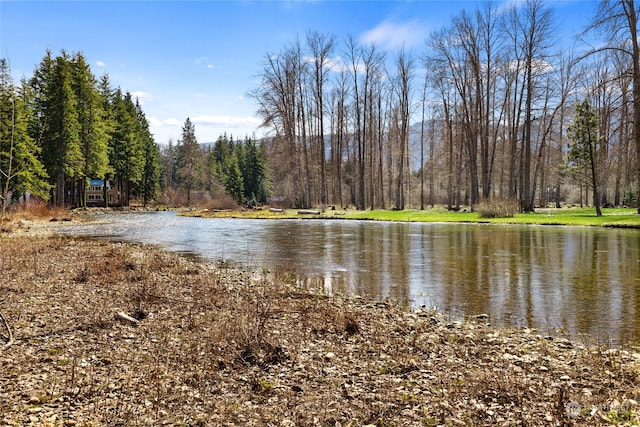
(583, 281)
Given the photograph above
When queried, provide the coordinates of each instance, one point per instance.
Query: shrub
(497, 208)
(223, 201)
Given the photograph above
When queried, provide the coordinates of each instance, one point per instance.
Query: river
(579, 281)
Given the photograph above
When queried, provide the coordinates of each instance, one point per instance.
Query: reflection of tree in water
(397, 261)
(582, 280)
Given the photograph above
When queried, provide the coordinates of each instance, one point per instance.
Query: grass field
(614, 217)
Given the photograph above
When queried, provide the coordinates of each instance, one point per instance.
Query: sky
(201, 59)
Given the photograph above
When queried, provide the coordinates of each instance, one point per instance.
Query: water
(584, 282)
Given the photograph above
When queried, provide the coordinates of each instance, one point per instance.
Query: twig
(126, 318)
(10, 334)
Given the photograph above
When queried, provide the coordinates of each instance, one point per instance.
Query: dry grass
(497, 208)
(38, 210)
(225, 347)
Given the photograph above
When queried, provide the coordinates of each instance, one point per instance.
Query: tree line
(63, 126)
(224, 174)
(483, 112)
(489, 109)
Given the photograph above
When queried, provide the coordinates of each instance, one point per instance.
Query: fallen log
(308, 212)
(277, 210)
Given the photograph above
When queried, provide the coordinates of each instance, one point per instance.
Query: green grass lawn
(615, 217)
(618, 217)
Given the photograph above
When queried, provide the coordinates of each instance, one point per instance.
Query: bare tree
(618, 21)
(365, 64)
(531, 32)
(405, 67)
(321, 46)
(278, 106)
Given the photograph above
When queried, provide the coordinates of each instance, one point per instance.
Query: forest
(486, 111)
(64, 127)
(495, 107)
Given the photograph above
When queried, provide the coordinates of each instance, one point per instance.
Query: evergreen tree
(220, 153)
(242, 169)
(107, 119)
(151, 170)
(586, 140)
(20, 168)
(254, 172)
(93, 125)
(126, 153)
(189, 160)
(233, 181)
(58, 130)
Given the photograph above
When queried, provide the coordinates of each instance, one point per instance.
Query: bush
(497, 208)
(223, 201)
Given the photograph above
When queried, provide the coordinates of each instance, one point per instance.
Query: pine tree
(107, 118)
(126, 154)
(151, 170)
(20, 169)
(93, 126)
(189, 160)
(584, 134)
(58, 130)
(234, 183)
(254, 172)
(220, 153)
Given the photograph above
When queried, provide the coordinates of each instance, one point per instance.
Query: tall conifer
(20, 170)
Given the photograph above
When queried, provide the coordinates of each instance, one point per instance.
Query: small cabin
(96, 193)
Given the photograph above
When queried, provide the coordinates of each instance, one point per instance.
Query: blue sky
(199, 59)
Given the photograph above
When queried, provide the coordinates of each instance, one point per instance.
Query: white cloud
(156, 122)
(390, 35)
(337, 64)
(153, 121)
(227, 121)
(141, 96)
(204, 60)
(100, 63)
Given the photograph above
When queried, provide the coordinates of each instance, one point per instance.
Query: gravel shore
(117, 334)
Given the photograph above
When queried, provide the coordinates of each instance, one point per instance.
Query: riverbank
(108, 333)
(613, 217)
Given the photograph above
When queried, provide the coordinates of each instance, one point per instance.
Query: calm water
(581, 281)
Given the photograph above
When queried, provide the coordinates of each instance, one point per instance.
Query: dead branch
(126, 318)
(9, 333)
